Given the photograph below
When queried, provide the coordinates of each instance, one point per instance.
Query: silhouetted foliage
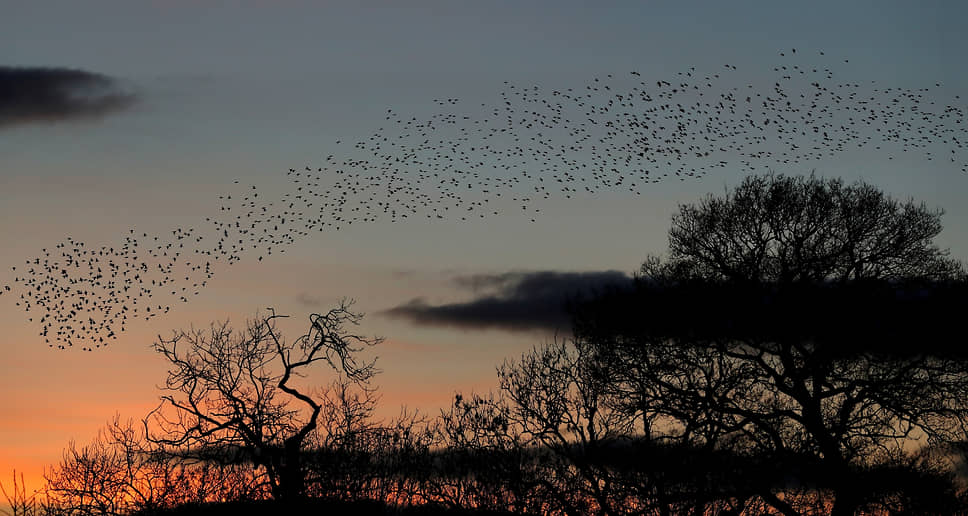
(310, 507)
(798, 316)
(782, 230)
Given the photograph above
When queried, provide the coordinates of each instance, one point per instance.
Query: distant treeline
(580, 426)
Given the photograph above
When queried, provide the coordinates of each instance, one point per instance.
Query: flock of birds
(616, 133)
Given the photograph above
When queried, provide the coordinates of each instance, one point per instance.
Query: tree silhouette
(122, 472)
(231, 391)
(797, 352)
(781, 229)
(801, 323)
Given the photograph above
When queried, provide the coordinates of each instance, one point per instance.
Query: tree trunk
(291, 477)
(846, 501)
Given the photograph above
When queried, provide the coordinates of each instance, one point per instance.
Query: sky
(201, 99)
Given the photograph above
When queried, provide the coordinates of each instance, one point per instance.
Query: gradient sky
(243, 90)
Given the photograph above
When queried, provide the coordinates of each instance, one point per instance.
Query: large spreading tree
(807, 325)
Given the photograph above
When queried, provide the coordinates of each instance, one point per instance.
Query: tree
(231, 397)
(803, 323)
(121, 472)
(558, 401)
(483, 461)
(17, 499)
(781, 229)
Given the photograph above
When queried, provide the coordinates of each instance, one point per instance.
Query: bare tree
(20, 503)
(121, 472)
(485, 461)
(352, 456)
(231, 393)
(559, 402)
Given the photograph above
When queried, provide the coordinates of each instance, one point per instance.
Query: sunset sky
(218, 92)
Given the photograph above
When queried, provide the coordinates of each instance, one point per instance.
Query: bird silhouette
(619, 132)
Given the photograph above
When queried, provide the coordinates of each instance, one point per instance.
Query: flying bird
(470, 161)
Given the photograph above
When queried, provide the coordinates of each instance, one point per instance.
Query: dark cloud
(57, 94)
(513, 301)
